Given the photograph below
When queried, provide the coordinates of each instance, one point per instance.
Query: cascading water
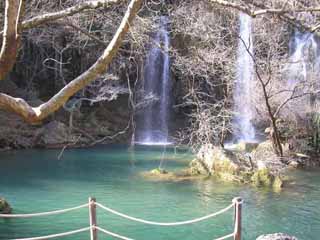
(302, 70)
(243, 127)
(300, 47)
(152, 124)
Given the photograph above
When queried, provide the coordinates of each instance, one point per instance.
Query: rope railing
(43, 213)
(93, 228)
(164, 223)
(56, 235)
(118, 236)
(112, 234)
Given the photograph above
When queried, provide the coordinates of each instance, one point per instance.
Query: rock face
(276, 236)
(52, 134)
(5, 207)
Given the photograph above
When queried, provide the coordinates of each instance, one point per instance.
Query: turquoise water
(35, 181)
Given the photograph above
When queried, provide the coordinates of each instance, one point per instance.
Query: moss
(162, 175)
(158, 171)
(197, 167)
(262, 177)
(277, 183)
(225, 165)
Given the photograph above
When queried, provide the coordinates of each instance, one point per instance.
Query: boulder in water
(225, 164)
(233, 165)
(276, 236)
(5, 207)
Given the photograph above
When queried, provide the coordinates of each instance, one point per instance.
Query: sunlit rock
(164, 175)
(158, 171)
(236, 166)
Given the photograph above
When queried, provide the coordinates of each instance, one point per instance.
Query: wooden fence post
(93, 219)
(237, 218)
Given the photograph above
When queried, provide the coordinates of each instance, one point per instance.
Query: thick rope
(126, 238)
(43, 213)
(56, 235)
(113, 234)
(164, 223)
(225, 237)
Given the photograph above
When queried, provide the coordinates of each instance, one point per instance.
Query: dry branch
(49, 17)
(282, 13)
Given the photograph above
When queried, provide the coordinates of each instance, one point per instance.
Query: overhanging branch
(36, 114)
(49, 17)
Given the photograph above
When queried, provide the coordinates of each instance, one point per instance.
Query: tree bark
(34, 115)
(11, 36)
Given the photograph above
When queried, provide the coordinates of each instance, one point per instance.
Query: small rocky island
(5, 208)
(245, 163)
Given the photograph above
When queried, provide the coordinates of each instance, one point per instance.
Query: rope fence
(43, 213)
(57, 235)
(165, 223)
(94, 228)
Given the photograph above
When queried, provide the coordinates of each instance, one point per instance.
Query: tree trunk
(11, 36)
(275, 137)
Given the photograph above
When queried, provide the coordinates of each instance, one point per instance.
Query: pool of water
(36, 181)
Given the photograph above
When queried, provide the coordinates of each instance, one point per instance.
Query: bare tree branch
(49, 17)
(281, 12)
(36, 114)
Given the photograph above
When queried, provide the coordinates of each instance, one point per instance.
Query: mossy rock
(163, 175)
(277, 183)
(197, 167)
(264, 177)
(158, 171)
(225, 165)
(5, 207)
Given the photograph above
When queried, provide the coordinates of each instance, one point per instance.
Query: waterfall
(243, 128)
(152, 124)
(303, 67)
(303, 51)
